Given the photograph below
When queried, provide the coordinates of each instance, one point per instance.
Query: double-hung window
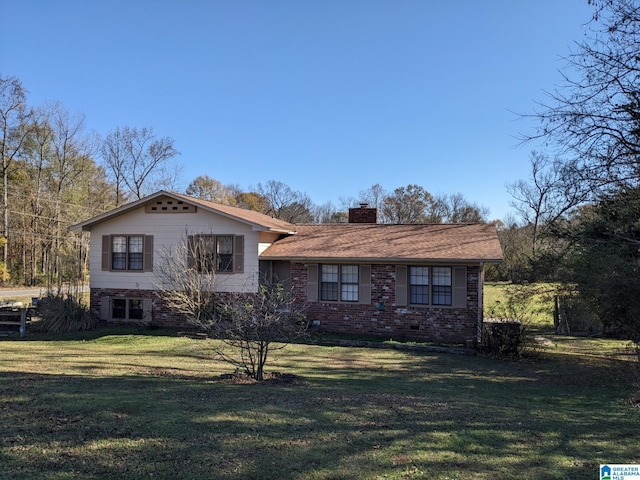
(441, 286)
(127, 252)
(419, 285)
(339, 283)
(215, 253)
(329, 283)
(430, 285)
(349, 283)
(224, 253)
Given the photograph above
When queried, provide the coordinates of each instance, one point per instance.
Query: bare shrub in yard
(255, 324)
(184, 287)
(252, 324)
(61, 313)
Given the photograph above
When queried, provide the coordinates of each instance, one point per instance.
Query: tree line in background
(55, 173)
(581, 204)
(578, 213)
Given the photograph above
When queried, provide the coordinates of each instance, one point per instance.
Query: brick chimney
(363, 214)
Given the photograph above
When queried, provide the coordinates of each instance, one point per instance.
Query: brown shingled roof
(258, 220)
(381, 242)
(250, 216)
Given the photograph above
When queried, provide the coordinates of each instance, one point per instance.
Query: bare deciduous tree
(328, 213)
(14, 130)
(374, 196)
(455, 208)
(547, 196)
(254, 325)
(115, 159)
(183, 288)
(251, 325)
(138, 161)
(593, 118)
(71, 153)
(285, 203)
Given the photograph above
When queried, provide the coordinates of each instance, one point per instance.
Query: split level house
(422, 282)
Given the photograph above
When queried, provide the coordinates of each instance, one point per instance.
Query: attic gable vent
(169, 205)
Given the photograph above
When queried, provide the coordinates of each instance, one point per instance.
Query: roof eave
(87, 224)
(385, 260)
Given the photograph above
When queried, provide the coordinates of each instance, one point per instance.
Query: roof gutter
(393, 260)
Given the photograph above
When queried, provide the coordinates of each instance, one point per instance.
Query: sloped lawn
(130, 405)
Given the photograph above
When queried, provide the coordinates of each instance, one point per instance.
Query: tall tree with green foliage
(606, 261)
(408, 204)
(207, 188)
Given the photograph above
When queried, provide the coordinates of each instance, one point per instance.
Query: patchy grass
(128, 405)
(538, 298)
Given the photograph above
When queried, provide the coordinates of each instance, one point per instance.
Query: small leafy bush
(503, 338)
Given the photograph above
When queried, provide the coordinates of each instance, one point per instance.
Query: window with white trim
(441, 289)
(430, 285)
(339, 282)
(419, 285)
(214, 253)
(349, 283)
(127, 252)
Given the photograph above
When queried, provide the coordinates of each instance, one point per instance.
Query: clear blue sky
(327, 96)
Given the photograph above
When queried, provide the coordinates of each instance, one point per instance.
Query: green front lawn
(132, 405)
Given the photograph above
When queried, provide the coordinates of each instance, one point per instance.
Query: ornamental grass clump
(63, 313)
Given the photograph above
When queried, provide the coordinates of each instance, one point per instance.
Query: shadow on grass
(353, 417)
(95, 333)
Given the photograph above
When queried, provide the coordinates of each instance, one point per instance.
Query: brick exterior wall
(363, 215)
(161, 315)
(384, 319)
(381, 317)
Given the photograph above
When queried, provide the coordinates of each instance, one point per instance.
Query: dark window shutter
(106, 252)
(238, 254)
(364, 289)
(460, 287)
(147, 305)
(312, 282)
(148, 253)
(191, 251)
(401, 285)
(105, 308)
